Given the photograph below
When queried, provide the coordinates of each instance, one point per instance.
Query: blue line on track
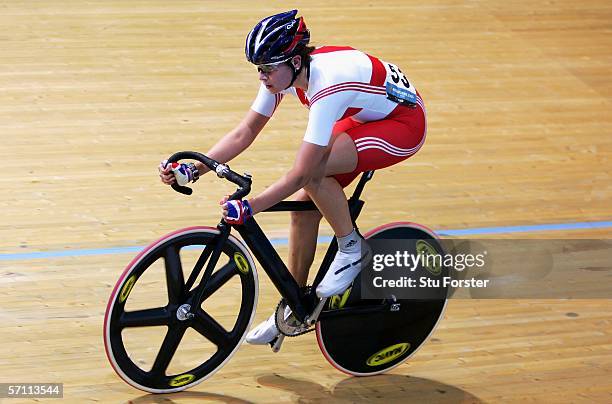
(322, 239)
(525, 229)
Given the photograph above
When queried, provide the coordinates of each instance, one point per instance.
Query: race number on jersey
(399, 89)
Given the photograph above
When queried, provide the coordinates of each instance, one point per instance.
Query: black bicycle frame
(277, 271)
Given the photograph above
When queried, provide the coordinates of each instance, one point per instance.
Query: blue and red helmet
(276, 38)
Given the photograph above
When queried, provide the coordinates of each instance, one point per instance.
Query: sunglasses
(270, 67)
(267, 69)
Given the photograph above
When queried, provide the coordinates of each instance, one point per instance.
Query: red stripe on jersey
(379, 73)
(350, 112)
(348, 85)
(277, 99)
(369, 90)
(360, 90)
(327, 49)
(302, 97)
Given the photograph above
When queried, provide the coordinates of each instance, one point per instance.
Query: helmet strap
(296, 73)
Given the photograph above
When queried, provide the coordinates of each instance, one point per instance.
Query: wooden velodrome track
(94, 94)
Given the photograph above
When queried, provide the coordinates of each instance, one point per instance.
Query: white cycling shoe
(343, 270)
(266, 332)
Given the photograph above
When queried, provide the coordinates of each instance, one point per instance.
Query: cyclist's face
(275, 78)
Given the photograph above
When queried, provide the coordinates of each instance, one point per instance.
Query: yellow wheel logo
(127, 288)
(241, 263)
(388, 354)
(181, 380)
(432, 260)
(338, 301)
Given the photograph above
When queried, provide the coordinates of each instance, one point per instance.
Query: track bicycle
(357, 336)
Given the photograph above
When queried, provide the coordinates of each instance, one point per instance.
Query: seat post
(365, 177)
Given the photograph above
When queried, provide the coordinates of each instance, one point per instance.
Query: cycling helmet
(276, 38)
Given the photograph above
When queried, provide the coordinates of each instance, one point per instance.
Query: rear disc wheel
(375, 341)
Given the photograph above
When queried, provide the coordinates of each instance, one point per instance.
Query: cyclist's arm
(237, 140)
(311, 159)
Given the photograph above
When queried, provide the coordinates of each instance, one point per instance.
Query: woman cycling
(363, 115)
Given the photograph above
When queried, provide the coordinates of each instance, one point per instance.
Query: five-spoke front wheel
(157, 337)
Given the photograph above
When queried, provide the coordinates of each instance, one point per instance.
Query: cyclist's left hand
(235, 212)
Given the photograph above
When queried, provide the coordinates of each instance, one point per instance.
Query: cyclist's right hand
(165, 173)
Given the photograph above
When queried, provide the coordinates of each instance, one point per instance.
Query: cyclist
(363, 115)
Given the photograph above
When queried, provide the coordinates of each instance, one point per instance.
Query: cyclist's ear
(296, 61)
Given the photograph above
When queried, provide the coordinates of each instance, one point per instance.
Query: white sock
(349, 243)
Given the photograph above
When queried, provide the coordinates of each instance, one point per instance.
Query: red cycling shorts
(385, 142)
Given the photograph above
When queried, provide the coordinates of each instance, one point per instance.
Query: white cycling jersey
(343, 82)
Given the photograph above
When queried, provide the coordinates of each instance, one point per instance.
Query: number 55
(397, 74)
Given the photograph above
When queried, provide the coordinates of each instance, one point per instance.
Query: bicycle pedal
(277, 342)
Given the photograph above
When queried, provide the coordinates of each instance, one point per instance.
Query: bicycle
(394, 329)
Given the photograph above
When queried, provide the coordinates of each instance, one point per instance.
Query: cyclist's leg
(303, 240)
(327, 193)
(304, 227)
(331, 201)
